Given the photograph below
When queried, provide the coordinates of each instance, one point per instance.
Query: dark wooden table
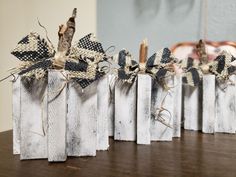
(195, 154)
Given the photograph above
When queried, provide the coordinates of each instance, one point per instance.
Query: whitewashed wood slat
(192, 107)
(177, 108)
(82, 120)
(57, 110)
(226, 108)
(33, 119)
(208, 103)
(102, 113)
(16, 114)
(159, 131)
(111, 104)
(143, 108)
(125, 111)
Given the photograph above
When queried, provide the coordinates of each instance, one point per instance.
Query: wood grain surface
(33, 119)
(192, 107)
(225, 120)
(144, 109)
(195, 154)
(16, 115)
(82, 120)
(57, 110)
(208, 104)
(125, 111)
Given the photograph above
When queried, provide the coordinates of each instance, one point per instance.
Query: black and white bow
(36, 54)
(82, 61)
(85, 56)
(159, 65)
(222, 67)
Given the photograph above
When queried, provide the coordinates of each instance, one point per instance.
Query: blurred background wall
(18, 18)
(125, 23)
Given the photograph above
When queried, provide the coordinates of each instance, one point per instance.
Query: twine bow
(159, 112)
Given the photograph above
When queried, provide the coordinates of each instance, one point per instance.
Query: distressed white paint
(159, 131)
(226, 108)
(143, 108)
(125, 111)
(177, 108)
(82, 120)
(57, 109)
(208, 103)
(111, 104)
(16, 115)
(192, 108)
(102, 113)
(33, 119)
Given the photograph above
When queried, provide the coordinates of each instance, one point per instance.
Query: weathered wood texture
(143, 108)
(102, 113)
(111, 104)
(125, 111)
(57, 109)
(33, 119)
(225, 108)
(159, 131)
(82, 120)
(192, 107)
(16, 115)
(208, 104)
(177, 108)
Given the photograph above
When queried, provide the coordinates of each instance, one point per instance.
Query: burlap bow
(83, 65)
(159, 65)
(82, 61)
(35, 53)
(222, 67)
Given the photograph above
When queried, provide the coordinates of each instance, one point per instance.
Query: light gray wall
(124, 23)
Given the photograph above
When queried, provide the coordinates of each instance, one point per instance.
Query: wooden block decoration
(111, 104)
(33, 118)
(82, 120)
(143, 108)
(159, 131)
(177, 108)
(192, 107)
(125, 111)
(102, 113)
(57, 110)
(208, 103)
(16, 114)
(225, 121)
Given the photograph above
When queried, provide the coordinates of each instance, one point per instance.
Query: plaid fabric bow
(82, 64)
(35, 53)
(159, 65)
(221, 67)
